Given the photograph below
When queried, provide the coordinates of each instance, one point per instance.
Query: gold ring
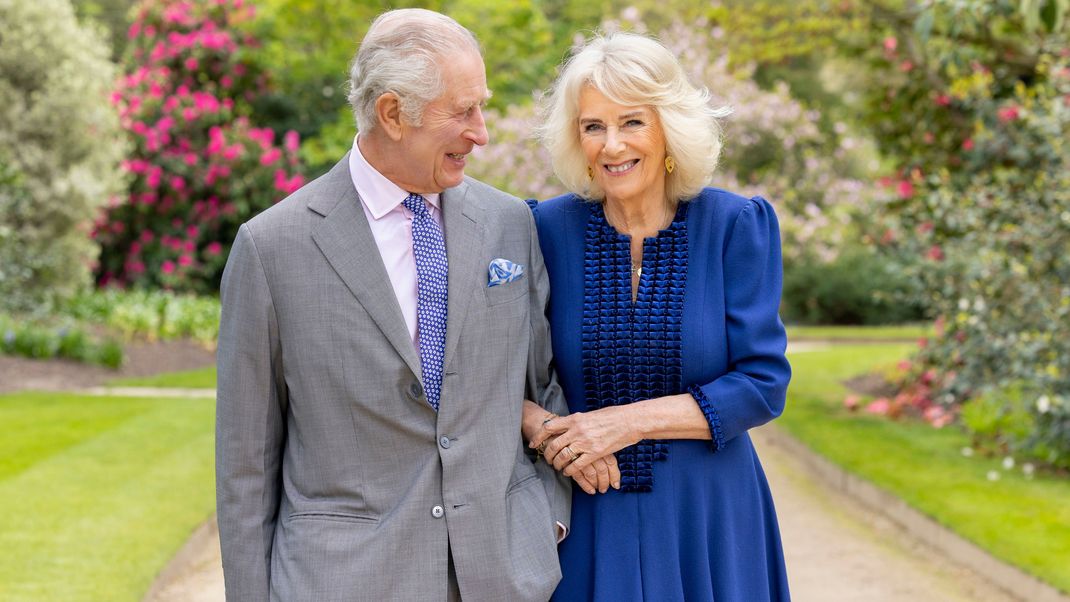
(574, 455)
(541, 448)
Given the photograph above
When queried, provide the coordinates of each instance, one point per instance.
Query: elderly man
(380, 330)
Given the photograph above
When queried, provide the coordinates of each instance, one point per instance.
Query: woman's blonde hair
(633, 70)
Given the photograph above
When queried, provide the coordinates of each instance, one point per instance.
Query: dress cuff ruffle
(713, 417)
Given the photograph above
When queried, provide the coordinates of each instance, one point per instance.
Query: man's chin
(451, 180)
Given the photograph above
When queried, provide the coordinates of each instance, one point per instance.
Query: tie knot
(415, 203)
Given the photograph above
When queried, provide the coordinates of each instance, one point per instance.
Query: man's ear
(388, 112)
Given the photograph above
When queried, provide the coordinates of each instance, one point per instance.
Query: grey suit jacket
(335, 478)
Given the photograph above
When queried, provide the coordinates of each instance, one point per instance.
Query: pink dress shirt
(391, 225)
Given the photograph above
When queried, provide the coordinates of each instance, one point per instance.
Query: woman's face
(624, 146)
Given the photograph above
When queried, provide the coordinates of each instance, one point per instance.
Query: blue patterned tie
(429, 249)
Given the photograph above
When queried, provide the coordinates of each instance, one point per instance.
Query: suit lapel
(464, 250)
(345, 239)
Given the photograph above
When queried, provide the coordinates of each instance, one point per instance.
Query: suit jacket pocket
(504, 293)
(533, 545)
(340, 517)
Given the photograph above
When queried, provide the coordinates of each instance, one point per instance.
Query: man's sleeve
(542, 386)
(250, 423)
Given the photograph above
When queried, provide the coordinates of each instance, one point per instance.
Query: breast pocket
(505, 293)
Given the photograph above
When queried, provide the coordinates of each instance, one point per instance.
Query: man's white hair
(401, 54)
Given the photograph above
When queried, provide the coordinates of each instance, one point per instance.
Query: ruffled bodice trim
(631, 351)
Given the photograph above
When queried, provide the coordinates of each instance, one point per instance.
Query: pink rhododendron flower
(879, 406)
(943, 100)
(167, 267)
(967, 144)
(890, 44)
(906, 66)
(152, 179)
(904, 189)
(935, 253)
(270, 156)
(214, 248)
(185, 260)
(1008, 114)
(291, 141)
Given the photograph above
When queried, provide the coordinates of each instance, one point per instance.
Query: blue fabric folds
(631, 351)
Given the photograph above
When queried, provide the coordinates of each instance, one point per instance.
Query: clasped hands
(581, 445)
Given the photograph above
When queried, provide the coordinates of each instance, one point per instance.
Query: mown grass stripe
(97, 520)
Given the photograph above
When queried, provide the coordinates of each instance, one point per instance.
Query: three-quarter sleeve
(753, 390)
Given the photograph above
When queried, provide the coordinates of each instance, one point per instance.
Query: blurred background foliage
(915, 151)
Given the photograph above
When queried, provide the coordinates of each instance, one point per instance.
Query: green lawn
(1025, 522)
(98, 493)
(202, 378)
(905, 332)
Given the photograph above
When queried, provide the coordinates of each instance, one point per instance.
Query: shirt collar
(379, 194)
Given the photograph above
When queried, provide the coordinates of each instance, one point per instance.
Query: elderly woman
(665, 335)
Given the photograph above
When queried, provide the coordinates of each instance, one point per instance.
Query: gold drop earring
(670, 164)
(590, 173)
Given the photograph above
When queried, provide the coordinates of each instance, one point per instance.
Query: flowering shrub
(59, 151)
(972, 100)
(199, 167)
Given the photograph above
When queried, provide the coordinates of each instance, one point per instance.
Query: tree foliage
(60, 147)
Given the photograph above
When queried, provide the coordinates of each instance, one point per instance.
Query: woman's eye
(632, 123)
(592, 127)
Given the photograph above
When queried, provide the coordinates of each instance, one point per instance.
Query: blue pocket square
(503, 271)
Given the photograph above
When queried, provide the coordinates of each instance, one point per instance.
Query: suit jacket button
(444, 441)
(437, 512)
(416, 390)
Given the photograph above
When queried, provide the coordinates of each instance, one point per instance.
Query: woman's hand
(599, 475)
(575, 442)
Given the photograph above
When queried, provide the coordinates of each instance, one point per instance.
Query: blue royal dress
(694, 520)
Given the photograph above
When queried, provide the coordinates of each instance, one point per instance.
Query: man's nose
(477, 131)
